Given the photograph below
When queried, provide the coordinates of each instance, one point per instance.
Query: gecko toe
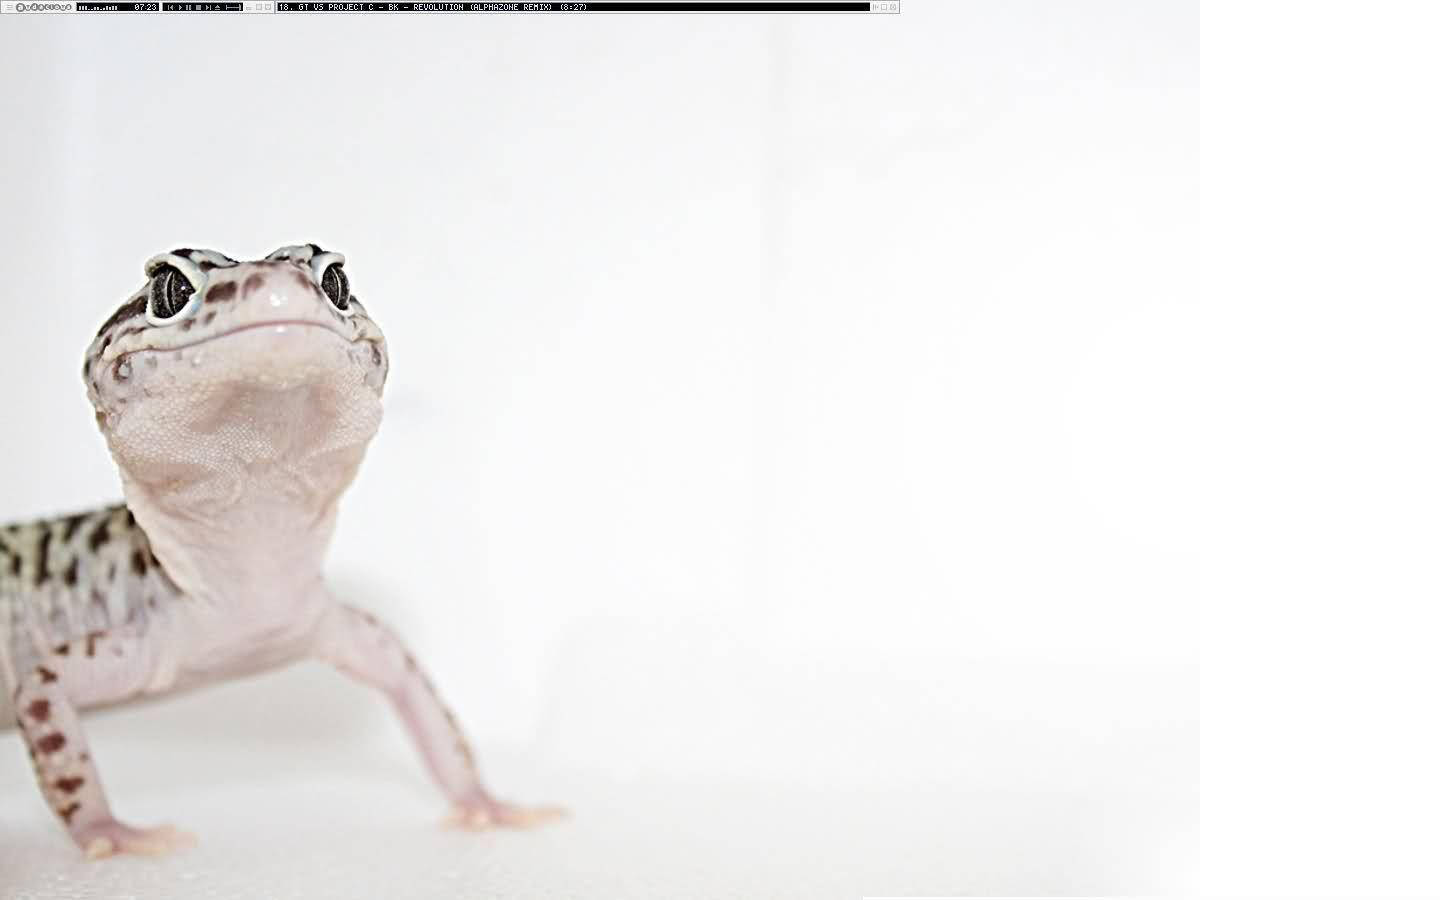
(470, 819)
(528, 817)
(100, 848)
(110, 838)
(493, 814)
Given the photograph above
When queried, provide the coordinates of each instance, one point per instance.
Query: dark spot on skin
(46, 676)
(134, 307)
(62, 650)
(97, 598)
(51, 743)
(39, 710)
(137, 563)
(72, 572)
(42, 561)
(222, 292)
(209, 317)
(70, 785)
(252, 284)
(90, 640)
(71, 525)
(69, 811)
(187, 325)
(100, 536)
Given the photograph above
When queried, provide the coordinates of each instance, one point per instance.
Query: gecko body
(237, 399)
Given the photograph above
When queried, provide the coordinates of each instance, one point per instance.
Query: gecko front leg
(364, 648)
(67, 775)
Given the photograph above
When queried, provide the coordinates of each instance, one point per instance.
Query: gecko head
(216, 363)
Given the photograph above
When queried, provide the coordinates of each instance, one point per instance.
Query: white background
(985, 449)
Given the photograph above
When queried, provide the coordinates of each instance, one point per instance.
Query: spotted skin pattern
(237, 399)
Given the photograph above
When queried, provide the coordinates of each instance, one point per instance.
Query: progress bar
(42, 7)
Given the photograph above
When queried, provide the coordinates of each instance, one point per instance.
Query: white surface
(292, 795)
(989, 448)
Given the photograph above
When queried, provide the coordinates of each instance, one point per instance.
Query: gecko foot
(478, 815)
(109, 837)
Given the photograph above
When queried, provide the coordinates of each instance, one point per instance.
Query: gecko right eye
(170, 291)
(336, 286)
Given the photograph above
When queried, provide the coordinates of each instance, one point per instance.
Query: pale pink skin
(235, 436)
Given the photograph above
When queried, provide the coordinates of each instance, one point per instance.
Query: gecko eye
(336, 286)
(170, 290)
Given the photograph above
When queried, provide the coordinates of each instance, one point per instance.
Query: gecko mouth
(273, 353)
(279, 325)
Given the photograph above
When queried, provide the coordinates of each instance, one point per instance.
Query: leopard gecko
(237, 399)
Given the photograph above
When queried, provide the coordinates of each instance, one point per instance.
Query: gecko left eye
(336, 286)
